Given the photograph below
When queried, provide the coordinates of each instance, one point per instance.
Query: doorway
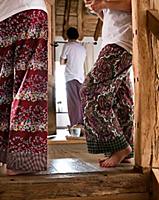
(92, 50)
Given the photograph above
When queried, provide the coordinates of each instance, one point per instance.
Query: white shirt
(75, 54)
(11, 7)
(117, 28)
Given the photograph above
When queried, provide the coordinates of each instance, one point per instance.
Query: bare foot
(126, 160)
(116, 158)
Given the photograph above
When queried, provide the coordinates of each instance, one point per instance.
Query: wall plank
(51, 67)
(145, 63)
(81, 19)
(155, 60)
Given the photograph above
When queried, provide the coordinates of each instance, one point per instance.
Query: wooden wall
(74, 13)
(146, 67)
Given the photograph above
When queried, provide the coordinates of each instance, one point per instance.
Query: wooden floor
(73, 159)
(74, 179)
(62, 150)
(74, 174)
(71, 156)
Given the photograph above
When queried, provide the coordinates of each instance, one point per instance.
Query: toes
(102, 160)
(105, 163)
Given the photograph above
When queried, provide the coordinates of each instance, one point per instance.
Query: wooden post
(153, 27)
(66, 18)
(80, 18)
(153, 22)
(155, 184)
(146, 68)
(51, 68)
(98, 29)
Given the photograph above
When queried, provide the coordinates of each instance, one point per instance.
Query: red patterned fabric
(107, 99)
(23, 91)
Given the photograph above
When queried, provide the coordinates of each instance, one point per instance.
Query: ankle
(127, 150)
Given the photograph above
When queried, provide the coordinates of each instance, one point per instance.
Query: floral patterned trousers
(23, 91)
(107, 99)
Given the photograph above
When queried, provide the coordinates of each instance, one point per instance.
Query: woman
(23, 85)
(107, 90)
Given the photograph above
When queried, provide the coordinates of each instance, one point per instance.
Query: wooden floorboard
(76, 166)
(79, 151)
(74, 185)
(74, 174)
(76, 179)
(137, 196)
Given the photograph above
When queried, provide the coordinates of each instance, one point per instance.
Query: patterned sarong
(107, 98)
(75, 111)
(23, 91)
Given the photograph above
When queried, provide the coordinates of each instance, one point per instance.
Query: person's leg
(27, 149)
(124, 109)
(74, 102)
(103, 131)
(6, 87)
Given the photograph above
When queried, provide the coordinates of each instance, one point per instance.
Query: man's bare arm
(98, 5)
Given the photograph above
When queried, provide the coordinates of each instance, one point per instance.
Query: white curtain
(89, 62)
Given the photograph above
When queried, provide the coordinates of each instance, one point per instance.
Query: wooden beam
(145, 62)
(51, 68)
(156, 175)
(66, 18)
(98, 29)
(75, 186)
(155, 184)
(51, 2)
(80, 8)
(89, 20)
(137, 196)
(153, 22)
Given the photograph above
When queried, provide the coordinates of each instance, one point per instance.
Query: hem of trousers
(27, 161)
(108, 147)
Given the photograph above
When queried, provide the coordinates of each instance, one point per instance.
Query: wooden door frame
(51, 68)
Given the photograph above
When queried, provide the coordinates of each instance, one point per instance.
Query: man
(73, 55)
